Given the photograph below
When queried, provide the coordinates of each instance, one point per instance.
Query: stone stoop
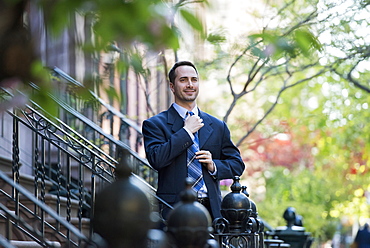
(28, 182)
(22, 240)
(19, 239)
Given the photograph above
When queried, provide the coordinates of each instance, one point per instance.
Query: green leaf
(192, 20)
(258, 52)
(112, 94)
(305, 41)
(215, 38)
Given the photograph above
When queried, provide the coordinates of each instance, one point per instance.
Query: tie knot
(190, 113)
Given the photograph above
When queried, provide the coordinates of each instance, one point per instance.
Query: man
(362, 239)
(170, 137)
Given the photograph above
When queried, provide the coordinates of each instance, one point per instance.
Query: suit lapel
(206, 131)
(174, 119)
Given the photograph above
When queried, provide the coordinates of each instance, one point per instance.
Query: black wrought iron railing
(93, 131)
(68, 170)
(28, 218)
(72, 157)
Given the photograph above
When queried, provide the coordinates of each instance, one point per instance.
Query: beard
(187, 98)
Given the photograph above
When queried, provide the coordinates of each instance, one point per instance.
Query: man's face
(186, 85)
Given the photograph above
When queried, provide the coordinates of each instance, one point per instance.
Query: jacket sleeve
(162, 146)
(229, 162)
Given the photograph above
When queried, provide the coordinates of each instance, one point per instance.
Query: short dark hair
(172, 72)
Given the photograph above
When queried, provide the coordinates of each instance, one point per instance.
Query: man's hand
(205, 157)
(193, 123)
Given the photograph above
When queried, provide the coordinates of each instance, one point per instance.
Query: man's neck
(182, 111)
(189, 106)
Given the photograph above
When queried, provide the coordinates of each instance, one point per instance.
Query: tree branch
(356, 82)
(285, 87)
(228, 77)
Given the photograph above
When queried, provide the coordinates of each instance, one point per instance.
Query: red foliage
(283, 149)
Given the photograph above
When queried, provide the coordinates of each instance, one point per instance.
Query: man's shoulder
(159, 117)
(211, 118)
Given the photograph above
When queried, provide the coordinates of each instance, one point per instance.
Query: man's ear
(171, 87)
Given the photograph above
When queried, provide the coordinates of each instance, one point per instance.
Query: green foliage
(41, 96)
(277, 45)
(216, 38)
(114, 20)
(148, 23)
(309, 193)
(113, 94)
(302, 65)
(305, 40)
(191, 19)
(334, 129)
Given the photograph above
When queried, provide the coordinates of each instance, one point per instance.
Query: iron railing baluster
(41, 171)
(48, 160)
(59, 184)
(36, 167)
(93, 197)
(69, 204)
(80, 194)
(15, 164)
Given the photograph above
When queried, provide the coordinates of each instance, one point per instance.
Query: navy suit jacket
(166, 143)
(363, 238)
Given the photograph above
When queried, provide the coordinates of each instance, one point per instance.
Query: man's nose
(190, 83)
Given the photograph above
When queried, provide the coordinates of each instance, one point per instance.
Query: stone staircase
(59, 204)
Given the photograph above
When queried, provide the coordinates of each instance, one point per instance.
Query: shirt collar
(182, 111)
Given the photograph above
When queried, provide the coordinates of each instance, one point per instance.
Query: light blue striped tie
(194, 166)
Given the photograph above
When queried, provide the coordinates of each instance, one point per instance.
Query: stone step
(19, 239)
(13, 233)
(50, 234)
(33, 244)
(5, 164)
(50, 200)
(85, 229)
(27, 182)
